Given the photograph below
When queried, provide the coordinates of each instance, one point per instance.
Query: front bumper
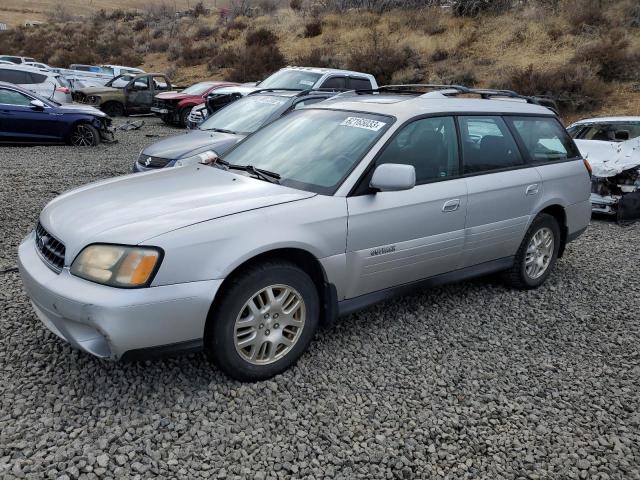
(110, 322)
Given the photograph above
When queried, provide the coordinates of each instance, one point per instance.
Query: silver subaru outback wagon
(322, 212)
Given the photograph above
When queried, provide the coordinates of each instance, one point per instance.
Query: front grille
(157, 103)
(152, 162)
(51, 250)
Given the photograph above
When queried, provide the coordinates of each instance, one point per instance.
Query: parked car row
(292, 206)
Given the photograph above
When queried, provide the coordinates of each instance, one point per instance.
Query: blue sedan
(27, 118)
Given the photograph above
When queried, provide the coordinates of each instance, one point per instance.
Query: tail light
(587, 165)
(64, 90)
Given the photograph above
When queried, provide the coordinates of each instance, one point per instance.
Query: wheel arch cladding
(304, 260)
(558, 212)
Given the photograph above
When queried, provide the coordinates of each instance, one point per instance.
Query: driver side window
(430, 145)
(11, 97)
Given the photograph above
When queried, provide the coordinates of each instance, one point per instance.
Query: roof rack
(449, 91)
(301, 93)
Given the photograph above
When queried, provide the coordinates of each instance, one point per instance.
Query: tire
(84, 135)
(113, 109)
(165, 119)
(250, 346)
(541, 260)
(184, 116)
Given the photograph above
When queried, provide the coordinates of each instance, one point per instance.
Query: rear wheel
(113, 109)
(537, 254)
(264, 322)
(84, 135)
(184, 116)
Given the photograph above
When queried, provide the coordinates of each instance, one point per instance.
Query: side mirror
(37, 105)
(393, 177)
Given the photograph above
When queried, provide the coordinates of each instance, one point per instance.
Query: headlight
(205, 157)
(117, 266)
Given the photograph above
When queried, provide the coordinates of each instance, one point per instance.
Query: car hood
(79, 108)
(135, 208)
(175, 96)
(608, 159)
(192, 143)
(98, 90)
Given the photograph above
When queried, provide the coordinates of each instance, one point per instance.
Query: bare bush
(611, 56)
(381, 58)
(473, 8)
(295, 5)
(313, 28)
(584, 15)
(318, 57)
(261, 37)
(575, 87)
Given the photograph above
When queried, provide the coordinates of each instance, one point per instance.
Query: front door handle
(451, 205)
(532, 189)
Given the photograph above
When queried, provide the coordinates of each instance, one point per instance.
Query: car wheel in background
(265, 320)
(84, 135)
(184, 116)
(113, 109)
(537, 254)
(165, 119)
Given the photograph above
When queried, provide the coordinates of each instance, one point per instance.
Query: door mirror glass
(393, 177)
(37, 104)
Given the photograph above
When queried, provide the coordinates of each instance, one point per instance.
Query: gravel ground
(466, 381)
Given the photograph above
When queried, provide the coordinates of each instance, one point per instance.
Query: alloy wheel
(269, 324)
(539, 253)
(83, 136)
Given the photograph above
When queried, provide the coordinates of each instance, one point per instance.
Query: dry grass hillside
(582, 53)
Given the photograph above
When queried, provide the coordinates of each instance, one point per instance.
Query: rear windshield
(545, 139)
(312, 149)
(291, 79)
(245, 115)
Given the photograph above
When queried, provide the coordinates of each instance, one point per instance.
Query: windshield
(291, 79)
(608, 132)
(245, 115)
(312, 149)
(120, 81)
(198, 88)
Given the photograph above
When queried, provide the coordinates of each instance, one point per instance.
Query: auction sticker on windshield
(366, 123)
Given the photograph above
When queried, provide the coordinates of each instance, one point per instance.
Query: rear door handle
(532, 189)
(451, 205)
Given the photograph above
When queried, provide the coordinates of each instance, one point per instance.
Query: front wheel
(184, 116)
(84, 135)
(113, 109)
(264, 322)
(537, 254)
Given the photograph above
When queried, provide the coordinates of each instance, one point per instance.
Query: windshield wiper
(260, 173)
(221, 130)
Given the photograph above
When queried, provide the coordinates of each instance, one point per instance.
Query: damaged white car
(612, 147)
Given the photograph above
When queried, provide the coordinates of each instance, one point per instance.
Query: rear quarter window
(360, 84)
(544, 139)
(15, 76)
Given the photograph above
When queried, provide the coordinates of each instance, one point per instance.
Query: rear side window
(430, 145)
(335, 82)
(487, 145)
(37, 78)
(15, 76)
(544, 139)
(359, 84)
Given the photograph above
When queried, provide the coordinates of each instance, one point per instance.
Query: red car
(174, 107)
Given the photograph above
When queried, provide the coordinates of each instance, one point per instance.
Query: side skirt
(350, 305)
